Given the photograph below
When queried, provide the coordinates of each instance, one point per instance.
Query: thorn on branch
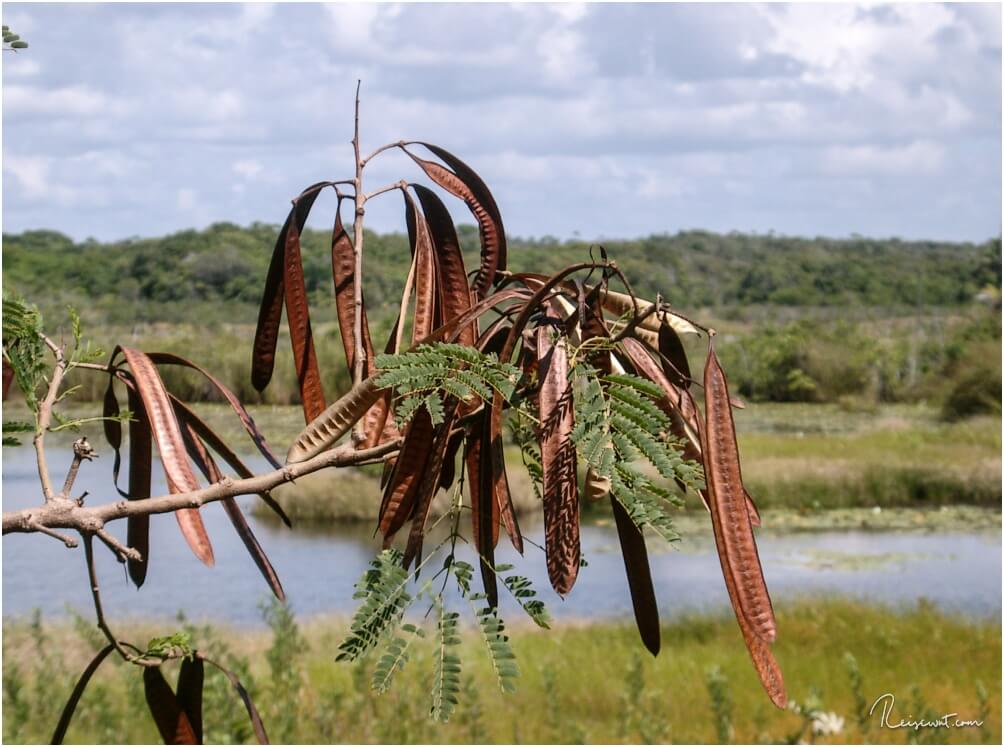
(82, 450)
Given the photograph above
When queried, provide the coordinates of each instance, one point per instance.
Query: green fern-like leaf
(521, 588)
(463, 572)
(23, 346)
(499, 651)
(394, 658)
(446, 674)
(419, 377)
(382, 590)
(620, 423)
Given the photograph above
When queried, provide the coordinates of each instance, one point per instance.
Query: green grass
(796, 458)
(821, 456)
(579, 683)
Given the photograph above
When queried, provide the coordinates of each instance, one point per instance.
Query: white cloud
(247, 168)
(22, 67)
(187, 199)
(80, 101)
(741, 116)
(31, 172)
(919, 157)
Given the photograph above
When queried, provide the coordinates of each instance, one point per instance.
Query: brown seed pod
(399, 494)
(300, 335)
(235, 404)
(425, 271)
(140, 473)
(191, 678)
(639, 575)
(207, 465)
(270, 314)
(429, 482)
(558, 461)
(167, 434)
(729, 514)
(464, 183)
(334, 422)
(172, 722)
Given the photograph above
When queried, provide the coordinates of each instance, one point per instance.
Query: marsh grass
(580, 682)
(799, 457)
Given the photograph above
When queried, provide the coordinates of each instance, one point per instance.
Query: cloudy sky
(591, 120)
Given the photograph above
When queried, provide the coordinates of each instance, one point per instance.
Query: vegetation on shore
(168, 278)
(857, 321)
(579, 683)
(798, 460)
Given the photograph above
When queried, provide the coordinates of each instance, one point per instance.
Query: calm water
(958, 571)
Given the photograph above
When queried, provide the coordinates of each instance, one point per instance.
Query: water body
(958, 571)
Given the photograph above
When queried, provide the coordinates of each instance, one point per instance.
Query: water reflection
(958, 571)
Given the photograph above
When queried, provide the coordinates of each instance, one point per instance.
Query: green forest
(855, 321)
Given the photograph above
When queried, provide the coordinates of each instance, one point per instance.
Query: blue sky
(592, 120)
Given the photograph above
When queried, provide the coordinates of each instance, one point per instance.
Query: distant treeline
(187, 275)
(808, 320)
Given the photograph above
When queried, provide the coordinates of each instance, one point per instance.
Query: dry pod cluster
(587, 379)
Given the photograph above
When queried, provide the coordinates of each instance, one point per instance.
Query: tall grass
(580, 683)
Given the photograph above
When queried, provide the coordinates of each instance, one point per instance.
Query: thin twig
(92, 574)
(634, 322)
(357, 226)
(121, 552)
(402, 184)
(68, 541)
(381, 149)
(44, 419)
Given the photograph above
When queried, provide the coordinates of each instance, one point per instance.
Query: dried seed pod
(207, 465)
(167, 434)
(464, 183)
(172, 722)
(300, 335)
(334, 422)
(235, 404)
(639, 575)
(429, 482)
(140, 473)
(558, 461)
(729, 514)
(399, 494)
(620, 304)
(270, 314)
(425, 271)
(191, 679)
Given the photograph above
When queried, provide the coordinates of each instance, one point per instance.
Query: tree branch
(44, 419)
(357, 228)
(381, 149)
(99, 612)
(402, 184)
(67, 514)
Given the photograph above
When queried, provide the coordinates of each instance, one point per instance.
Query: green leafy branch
(421, 377)
(618, 424)
(11, 41)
